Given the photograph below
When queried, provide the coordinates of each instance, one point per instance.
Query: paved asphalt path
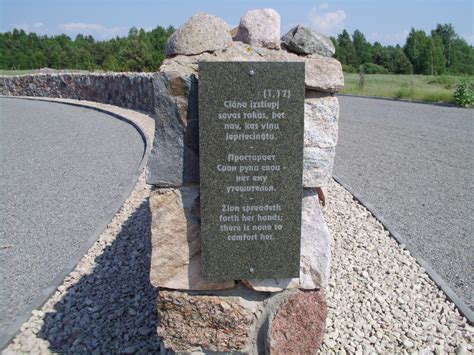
(414, 164)
(63, 170)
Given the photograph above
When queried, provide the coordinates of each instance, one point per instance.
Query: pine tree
(346, 49)
(362, 48)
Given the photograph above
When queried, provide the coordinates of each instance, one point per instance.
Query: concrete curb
(437, 279)
(9, 333)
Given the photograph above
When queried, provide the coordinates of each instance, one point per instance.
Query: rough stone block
(260, 28)
(298, 326)
(303, 40)
(321, 116)
(315, 256)
(174, 159)
(315, 244)
(176, 243)
(201, 33)
(322, 73)
(204, 323)
(317, 166)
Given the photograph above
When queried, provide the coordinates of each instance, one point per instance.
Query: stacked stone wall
(128, 90)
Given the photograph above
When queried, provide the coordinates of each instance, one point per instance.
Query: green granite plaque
(251, 118)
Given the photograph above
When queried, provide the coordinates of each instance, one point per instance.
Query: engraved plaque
(251, 125)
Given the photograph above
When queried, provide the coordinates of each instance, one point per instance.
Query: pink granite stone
(298, 326)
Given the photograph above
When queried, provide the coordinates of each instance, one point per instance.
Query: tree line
(139, 51)
(442, 51)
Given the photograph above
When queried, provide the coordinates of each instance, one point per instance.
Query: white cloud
(96, 30)
(329, 23)
(389, 38)
(38, 27)
(324, 6)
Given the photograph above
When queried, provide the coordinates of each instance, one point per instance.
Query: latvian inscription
(251, 117)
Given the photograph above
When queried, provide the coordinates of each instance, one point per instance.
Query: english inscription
(251, 117)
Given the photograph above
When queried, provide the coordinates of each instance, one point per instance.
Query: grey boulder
(201, 33)
(260, 28)
(303, 40)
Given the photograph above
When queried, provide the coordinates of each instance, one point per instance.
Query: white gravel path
(380, 300)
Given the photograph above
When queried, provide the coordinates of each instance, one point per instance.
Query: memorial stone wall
(128, 90)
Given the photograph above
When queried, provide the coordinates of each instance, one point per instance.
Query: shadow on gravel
(112, 309)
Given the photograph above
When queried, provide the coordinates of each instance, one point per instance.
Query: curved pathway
(414, 164)
(64, 172)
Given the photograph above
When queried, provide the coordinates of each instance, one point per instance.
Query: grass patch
(15, 72)
(408, 87)
(37, 71)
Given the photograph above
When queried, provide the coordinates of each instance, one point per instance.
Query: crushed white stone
(380, 299)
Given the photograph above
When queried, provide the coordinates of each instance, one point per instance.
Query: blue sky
(385, 21)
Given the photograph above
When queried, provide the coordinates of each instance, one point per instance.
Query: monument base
(242, 320)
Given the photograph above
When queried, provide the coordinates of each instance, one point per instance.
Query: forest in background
(442, 51)
(138, 52)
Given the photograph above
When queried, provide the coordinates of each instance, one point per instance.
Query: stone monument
(210, 300)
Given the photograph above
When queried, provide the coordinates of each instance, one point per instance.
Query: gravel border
(380, 299)
(144, 124)
(437, 279)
